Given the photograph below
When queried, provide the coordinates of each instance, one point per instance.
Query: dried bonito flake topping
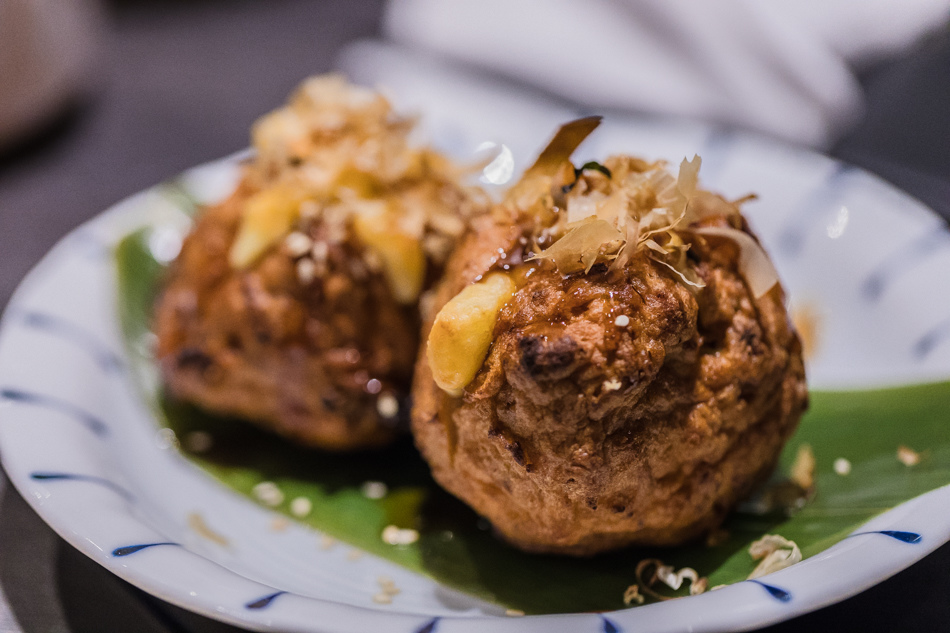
(773, 552)
(605, 214)
(651, 571)
(336, 154)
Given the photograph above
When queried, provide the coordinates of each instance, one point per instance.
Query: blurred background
(100, 99)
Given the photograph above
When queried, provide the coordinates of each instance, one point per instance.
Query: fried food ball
(617, 406)
(294, 303)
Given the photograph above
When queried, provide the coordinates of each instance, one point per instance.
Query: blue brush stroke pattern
(911, 538)
(926, 343)
(90, 421)
(265, 601)
(776, 592)
(903, 262)
(428, 627)
(609, 626)
(51, 476)
(108, 360)
(715, 151)
(131, 549)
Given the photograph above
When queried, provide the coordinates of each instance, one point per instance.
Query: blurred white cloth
(47, 48)
(781, 67)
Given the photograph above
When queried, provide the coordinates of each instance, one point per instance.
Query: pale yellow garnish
(403, 260)
(462, 332)
(632, 594)
(803, 468)
(773, 553)
(268, 216)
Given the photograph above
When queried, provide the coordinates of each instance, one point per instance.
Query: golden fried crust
(260, 345)
(579, 435)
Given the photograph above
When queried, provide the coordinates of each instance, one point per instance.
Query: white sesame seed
(165, 438)
(374, 489)
(393, 535)
(198, 441)
(319, 251)
(612, 385)
(297, 244)
(301, 507)
(387, 405)
(842, 466)
(268, 493)
(622, 321)
(514, 613)
(306, 271)
(907, 456)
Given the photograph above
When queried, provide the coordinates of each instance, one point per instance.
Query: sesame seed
(514, 613)
(268, 493)
(907, 456)
(842, 466)
(319, 251)
(612, 385)
(387, 405)
(165, 438)
(374, 489)
(301, 507)
(393, 535)
(622, 321)
(306, 271)
(198, 441)
(297, 244)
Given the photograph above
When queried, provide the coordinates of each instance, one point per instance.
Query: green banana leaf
(457, 549)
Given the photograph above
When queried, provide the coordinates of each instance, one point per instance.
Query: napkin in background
(782, 68)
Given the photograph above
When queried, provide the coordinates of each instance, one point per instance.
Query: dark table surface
(180, 83)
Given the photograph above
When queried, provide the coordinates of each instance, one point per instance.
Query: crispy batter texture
(579, 435)
(258, 344)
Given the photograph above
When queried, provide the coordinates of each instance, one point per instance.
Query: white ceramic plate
(83, 448)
